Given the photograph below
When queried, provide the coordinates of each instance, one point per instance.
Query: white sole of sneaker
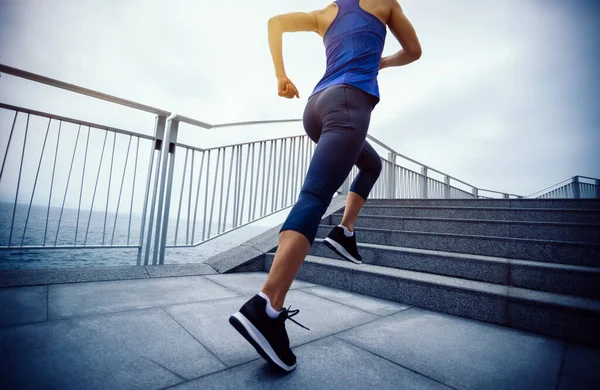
(342, 251)
(262, 341)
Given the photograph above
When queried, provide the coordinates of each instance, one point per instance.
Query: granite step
(582, 254)
(559, 231)
(556, 278)
(502, 203)
(557, 315)
(487, 213)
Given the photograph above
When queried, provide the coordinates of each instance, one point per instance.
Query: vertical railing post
(424, 191)
(391, 177)
(505, 196)
(172, 130)
(167, 149)
(576, 190)
(447, 193)
(475, 192)
(157, 147)
(597, 181)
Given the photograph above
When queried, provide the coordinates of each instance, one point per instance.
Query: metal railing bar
(283, 178)
(206, 197)
(238, 187)
(67, 186)
(191, 121)
(112, 239)
(74, 121)
(52, 182)
(187, 151)
(251, 123)
(222, 190)
(258, 170)
(109, 182)
(566, 181)
(153, 156)
(80, 90)
(264, 206)
(137, 151)
(187, 225)
(263, 195)
(95, 188)
(292, 171)
(162, 230)
(251, 184)
(8, 144)
(587, 177)
(87, 142)
(212, 205)
(239, 216)
(205, 125)
(273, 193)
(237, 144)
(35, 182)
(197, 197)
(301, 165)
(241, 213)
(18, 182)
(228, 189)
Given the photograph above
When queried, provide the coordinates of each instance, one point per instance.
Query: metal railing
(160, 193)
(577, 187)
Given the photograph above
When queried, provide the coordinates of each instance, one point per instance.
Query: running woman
(336, 118)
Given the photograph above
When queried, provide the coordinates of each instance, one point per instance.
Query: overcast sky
(505, 96)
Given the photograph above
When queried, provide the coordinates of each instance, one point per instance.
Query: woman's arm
(406, 36)
(292, 22)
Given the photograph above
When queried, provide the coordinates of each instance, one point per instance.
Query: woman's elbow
(275, 20)
(415, 52)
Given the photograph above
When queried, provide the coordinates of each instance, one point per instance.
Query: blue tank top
(354, 44)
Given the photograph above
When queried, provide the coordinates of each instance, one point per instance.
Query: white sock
(270, 311)
(347, 232)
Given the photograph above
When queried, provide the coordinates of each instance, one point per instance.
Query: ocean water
(42, 225)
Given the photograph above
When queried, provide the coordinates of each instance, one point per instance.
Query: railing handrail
(561, 183)
(75, 121)
(80, 90)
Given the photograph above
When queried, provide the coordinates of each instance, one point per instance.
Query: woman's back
(354, 43)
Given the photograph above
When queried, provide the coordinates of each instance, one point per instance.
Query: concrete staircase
(527, 264)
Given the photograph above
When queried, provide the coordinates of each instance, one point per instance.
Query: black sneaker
(342, 245)
(267, 335)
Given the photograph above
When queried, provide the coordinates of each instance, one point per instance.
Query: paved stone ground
(173, 333)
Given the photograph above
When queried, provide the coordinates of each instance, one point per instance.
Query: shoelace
(288, 314)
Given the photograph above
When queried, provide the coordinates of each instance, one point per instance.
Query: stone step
(556, 278)
(487, 213)
(557, 315)
(502, 203)
(583, 254)
(560, 231)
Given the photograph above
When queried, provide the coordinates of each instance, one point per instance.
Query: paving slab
(347, 367)
(568, 382)
(105, 297)
(379, 307)
(23, 305)
(462, 353)
(583, 362)
(249, 283)
(145, 349)
(33, 277)
(209, 323)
